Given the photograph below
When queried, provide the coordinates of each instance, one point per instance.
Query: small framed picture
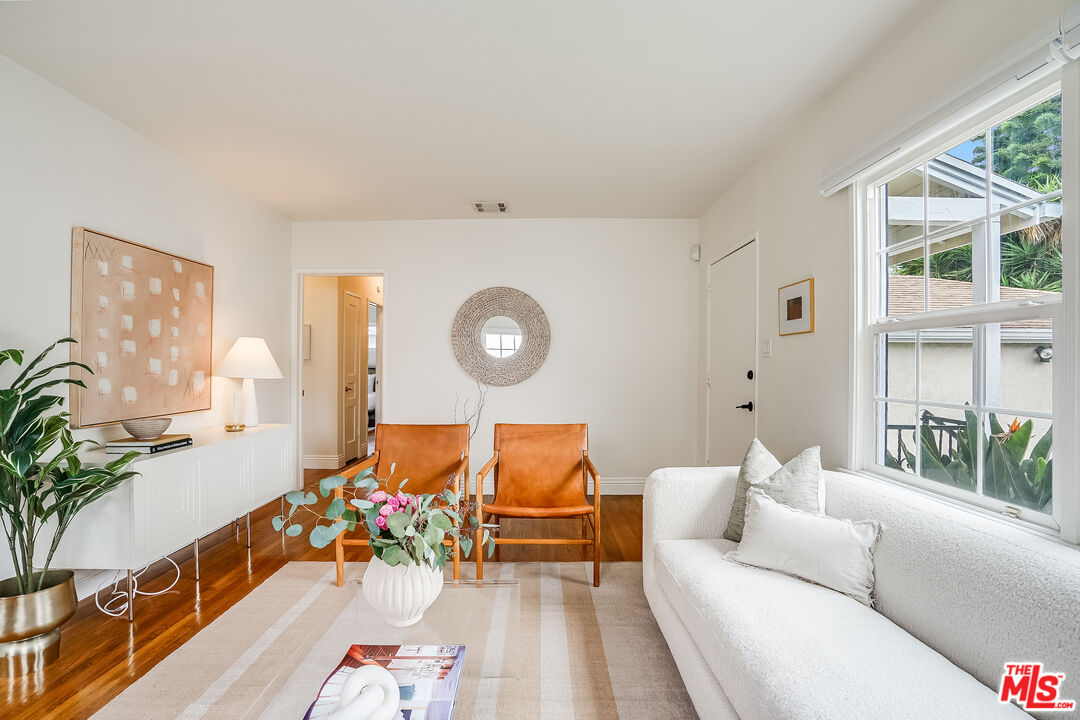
(797, 308)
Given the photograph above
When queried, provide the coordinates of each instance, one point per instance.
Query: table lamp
(249, 358)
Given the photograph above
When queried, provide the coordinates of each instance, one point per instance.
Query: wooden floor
(100, 656)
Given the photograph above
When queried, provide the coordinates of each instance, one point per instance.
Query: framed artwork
(143, 320)
(797, 307)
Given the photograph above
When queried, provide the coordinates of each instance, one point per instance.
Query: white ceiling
(355, 109)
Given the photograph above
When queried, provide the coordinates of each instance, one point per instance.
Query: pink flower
(393, 502)
(403, 498)
(385, 510)
(381, 522)
(378, 496)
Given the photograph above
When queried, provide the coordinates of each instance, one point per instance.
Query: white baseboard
(608, 486)
(87, 582)
(324, 462)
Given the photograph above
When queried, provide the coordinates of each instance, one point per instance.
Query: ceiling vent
(490, 207)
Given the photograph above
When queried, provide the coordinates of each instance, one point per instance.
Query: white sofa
(956, 597)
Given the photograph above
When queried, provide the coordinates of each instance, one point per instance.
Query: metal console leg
(196, 559)
(249, 529)
(131, 596)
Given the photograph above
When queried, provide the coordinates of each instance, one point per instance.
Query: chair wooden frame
(587, 519)
(340, 542)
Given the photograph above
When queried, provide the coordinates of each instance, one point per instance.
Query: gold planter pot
(30, 623)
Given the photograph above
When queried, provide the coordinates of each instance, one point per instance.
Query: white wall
(321, 445)
(621, 299)
(805, 388)
(66, 164)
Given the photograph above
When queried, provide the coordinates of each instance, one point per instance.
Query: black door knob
(748, 406)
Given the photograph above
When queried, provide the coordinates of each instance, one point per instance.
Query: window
(501, 345)
(964, 289)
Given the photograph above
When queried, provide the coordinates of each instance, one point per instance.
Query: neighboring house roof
(905, 297)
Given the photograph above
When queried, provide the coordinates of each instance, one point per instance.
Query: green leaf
(402, 483)
(278, 522)
(1017, 443)
(439, 520)
(363, 504)
(14, 355)
(299, 497)
(451, 497)
(351, 517)
(323, 535)
(329, 484)
(26, 371)
(394, 555)
(396, 523)
(393, 466)
(466, 546)
(293, 530)
(1044, 446)
(335, 508)
(368, 482)
(433, 535)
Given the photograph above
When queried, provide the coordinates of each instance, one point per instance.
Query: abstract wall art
(797, 308)
(143, 319)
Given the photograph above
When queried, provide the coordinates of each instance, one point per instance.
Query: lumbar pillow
(796, 484)
(828, 551)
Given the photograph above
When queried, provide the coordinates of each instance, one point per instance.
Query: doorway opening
(341, 368)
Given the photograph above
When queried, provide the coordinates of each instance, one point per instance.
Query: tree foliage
(1027, 150)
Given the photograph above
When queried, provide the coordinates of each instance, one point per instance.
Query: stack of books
(148, 447)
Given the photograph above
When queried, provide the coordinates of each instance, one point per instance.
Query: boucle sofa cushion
(796, 483)
(835, 553)
(784, 649)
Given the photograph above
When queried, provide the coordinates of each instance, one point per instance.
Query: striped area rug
(551, 646)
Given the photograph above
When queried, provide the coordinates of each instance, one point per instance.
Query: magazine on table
(427, 677)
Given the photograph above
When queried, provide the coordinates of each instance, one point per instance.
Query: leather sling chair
(541, 471)
(432, 457)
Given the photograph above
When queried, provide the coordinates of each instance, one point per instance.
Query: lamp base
(249, 408)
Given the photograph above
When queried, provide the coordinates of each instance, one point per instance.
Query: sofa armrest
(683, 503)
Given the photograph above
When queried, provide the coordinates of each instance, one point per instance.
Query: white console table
(179, 496)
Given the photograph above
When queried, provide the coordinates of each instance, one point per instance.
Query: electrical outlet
(766, 347)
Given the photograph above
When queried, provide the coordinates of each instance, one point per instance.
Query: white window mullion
(1067, 333)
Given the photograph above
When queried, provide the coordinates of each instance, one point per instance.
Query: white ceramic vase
(401, 593)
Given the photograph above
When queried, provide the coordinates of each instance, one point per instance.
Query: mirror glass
(501, 336)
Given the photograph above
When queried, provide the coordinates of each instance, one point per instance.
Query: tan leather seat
(540, 471)
(433, 458)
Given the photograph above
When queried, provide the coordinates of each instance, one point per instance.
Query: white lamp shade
(249, 357)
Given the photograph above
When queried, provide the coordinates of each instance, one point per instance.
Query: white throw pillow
(838, 554)
(797, 483)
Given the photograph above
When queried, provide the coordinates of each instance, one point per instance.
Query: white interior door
(353, 376)
(375, 354)
(731, 379)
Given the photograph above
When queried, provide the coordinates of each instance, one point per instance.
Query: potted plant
(42, 483)
(406, 533)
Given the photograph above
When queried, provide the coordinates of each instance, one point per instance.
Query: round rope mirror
(500, 336)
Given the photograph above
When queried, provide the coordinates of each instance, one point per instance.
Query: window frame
(1063, 310)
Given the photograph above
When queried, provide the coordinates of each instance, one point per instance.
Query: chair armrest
(484, 471)
(367, 462)
(460, 478)
(591, 469)
(686, 503)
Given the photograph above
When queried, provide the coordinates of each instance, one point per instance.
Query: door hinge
(708, 381)
(708, 290)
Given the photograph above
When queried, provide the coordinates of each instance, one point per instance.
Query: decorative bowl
(146, 428)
